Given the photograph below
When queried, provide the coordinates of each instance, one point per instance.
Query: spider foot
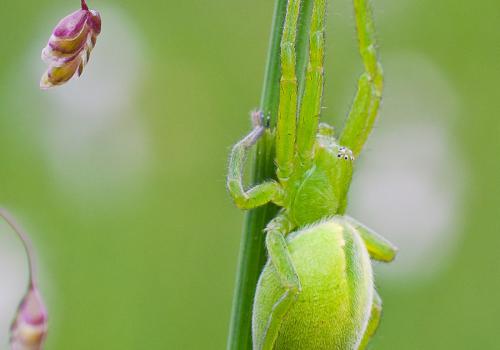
(345, 153)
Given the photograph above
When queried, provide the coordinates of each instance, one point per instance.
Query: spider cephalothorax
(319, 189)
(316, 291)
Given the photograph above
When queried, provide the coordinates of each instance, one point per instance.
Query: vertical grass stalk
(252, 250)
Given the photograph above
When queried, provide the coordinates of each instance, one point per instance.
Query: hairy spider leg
(259, 194)
(368, 96)
(310, 106)
(277, 249)
(281, 225)
(378, 247)
(287, 110)
(373, 322)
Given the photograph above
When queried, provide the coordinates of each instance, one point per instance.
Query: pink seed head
(29, 328)
(69, 46)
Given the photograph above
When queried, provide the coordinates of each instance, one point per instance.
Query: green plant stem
(252, 250)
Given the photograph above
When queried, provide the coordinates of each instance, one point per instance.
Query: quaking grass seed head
(29, 329)
(69, 46)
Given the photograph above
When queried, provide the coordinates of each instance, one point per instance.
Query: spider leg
(378, 247)
(280, 257)
(259, 194)
(373, 322)
(287, 110)
(367, 100)
(310, 107)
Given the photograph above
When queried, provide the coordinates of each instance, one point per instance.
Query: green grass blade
(252, 250)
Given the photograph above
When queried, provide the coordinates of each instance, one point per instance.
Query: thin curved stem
(23, 237)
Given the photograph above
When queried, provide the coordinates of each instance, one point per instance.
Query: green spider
(316, 290)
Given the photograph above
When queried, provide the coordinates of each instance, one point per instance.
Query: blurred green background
(119, 177)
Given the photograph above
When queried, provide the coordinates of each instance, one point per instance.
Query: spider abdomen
(333, 307)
